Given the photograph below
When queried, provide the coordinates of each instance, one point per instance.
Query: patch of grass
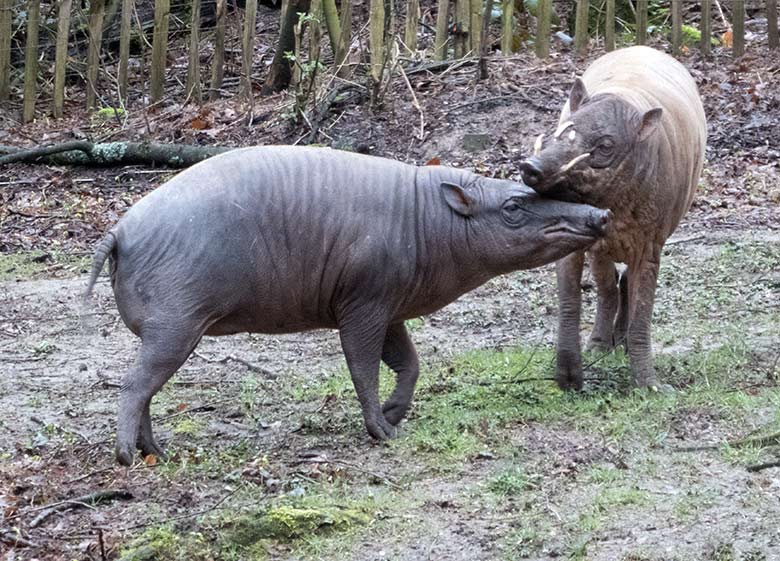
(38, 264)
(189, 425)
(691, 503)
(510, 482)
(604, 475)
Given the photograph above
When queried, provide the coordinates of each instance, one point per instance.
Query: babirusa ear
(458, 199)
(578, 95)
(650, 122)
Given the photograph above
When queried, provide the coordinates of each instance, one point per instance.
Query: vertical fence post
(5, 48)
(609, 26)
(162, 13)
(641, 22)
(315, 30)
(581, 27)
(61, 56)
(124, 48)
(218, 64)
(544, 11)
(31, 60)
(412, 20)
(97, 9)
(676, 27)
(738, 9)
(248, 47)
(706, 27)
(376, 41)
(440, 43)
(193, 64)
(771, 16)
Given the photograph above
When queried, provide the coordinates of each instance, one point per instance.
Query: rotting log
(676, 27)
(706, 27)
(412, 21)
(507, 15)
(609, 27)
(218, 64)
(97, 9)
(641, 22)
(159, 50)
(61, 55)
(84, 153)
(581, 27)
(31, 60)
(544, 11)
(248, 49)
(124, 49)
(193, 64)
(771, 16)
(5, 48)
(738, 22)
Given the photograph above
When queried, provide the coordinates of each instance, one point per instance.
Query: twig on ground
(88, 475)
(325, 460)
(686, 240)
(250, 366)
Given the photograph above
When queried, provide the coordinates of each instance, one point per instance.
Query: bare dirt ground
(493, 462)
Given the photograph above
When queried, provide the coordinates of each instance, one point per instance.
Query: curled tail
(104, 249)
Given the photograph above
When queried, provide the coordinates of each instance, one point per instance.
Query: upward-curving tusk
(574, 162)
(563, 127)
(538, 145)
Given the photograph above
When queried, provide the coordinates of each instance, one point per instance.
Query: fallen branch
(768, 440)
(415, 103)
(323, 460)
(767, 465)
(84, 153)
(14, 539)
(78, 502)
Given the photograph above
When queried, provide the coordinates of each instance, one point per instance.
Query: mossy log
(108, 154)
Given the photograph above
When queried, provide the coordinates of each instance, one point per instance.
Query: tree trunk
(6, 18)
(31, 60)
(218, 64)
(641, 22)
(440, 42)
(97, 9)
(84, 153)
(676, 27)
(462, 23)
(507, 9)
(544, 10)
(376, 28)
(771, 16)
(124, 49)
(581, 27)
(193, 64)
(345, 39)
(706, 27)
(248, 48)
(61, 56)
(159, 50)
(609, 27)
(738, 9)
(484, 47)
(412, 21)
(315, 30)
(475, 27)
(280, 72)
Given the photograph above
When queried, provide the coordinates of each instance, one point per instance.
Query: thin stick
(414, 102)
(759, 467)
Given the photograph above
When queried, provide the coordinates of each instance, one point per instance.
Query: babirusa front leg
(569, 356)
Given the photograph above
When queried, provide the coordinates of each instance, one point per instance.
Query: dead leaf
(150, 460)
(433, 162)
(181, 407)
(199, 124)
(728, 39)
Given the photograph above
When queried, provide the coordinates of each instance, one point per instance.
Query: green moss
(110, 113)
(287, 522)
(164, 542)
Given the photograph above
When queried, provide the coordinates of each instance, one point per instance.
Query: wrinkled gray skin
(283, 239)
(631, 138)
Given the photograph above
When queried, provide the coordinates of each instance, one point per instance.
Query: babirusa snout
(599, 221)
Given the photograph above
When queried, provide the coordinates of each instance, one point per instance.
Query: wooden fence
(461, 30)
